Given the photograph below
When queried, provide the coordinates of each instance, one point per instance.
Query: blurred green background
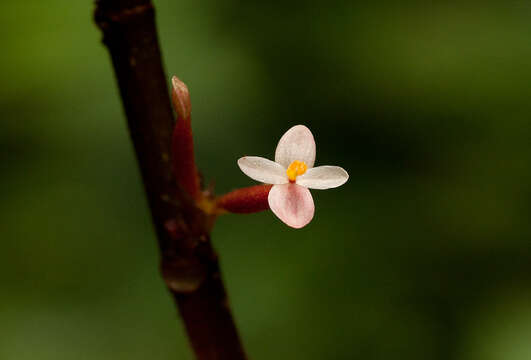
(424, 254)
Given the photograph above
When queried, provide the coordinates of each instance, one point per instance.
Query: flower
(292, 174)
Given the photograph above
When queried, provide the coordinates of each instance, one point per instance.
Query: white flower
(292, 173)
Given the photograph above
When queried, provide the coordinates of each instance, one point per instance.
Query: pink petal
(291, 203)
(296, 144)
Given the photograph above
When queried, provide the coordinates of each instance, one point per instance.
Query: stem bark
(189, 264)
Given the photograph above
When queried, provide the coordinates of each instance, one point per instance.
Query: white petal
(296, 144)
(293, 204)
(323, 177)
(263, 170)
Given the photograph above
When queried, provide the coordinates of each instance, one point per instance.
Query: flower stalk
(245, 200)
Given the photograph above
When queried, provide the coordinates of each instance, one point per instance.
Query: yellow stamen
(295, 169)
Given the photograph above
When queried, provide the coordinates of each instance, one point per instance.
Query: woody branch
(189, 264)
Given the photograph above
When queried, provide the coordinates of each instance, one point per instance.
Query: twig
(188, 262)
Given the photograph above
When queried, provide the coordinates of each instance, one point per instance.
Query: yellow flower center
(295, 169)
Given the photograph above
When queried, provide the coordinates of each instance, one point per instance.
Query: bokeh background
(424, 254)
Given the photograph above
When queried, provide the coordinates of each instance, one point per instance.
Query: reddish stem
(246, 200)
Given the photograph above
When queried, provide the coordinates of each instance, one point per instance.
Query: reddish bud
(183, 160)
(181, 98)
(246, 200)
